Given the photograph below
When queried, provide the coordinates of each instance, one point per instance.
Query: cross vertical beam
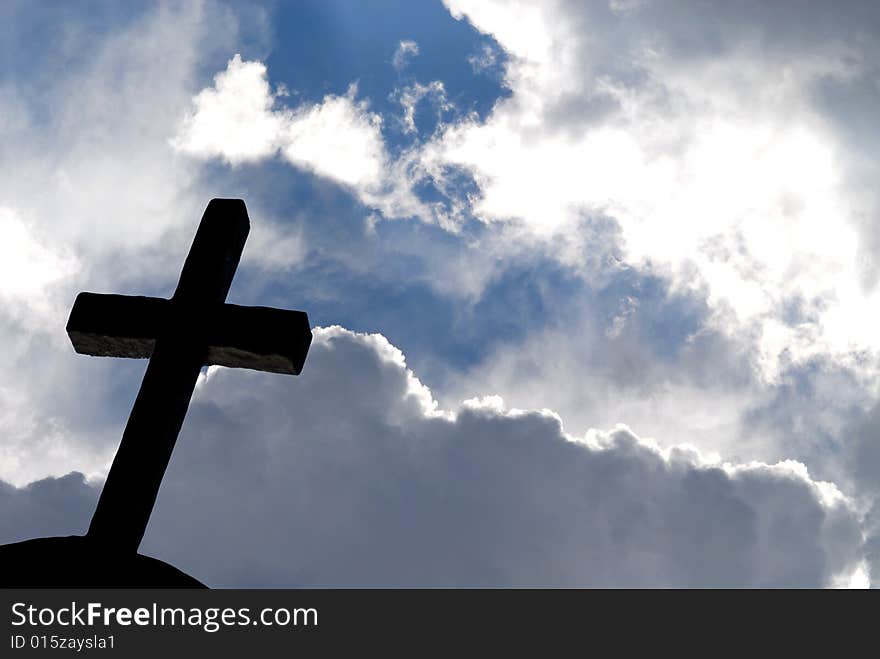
(124, 508)
(180, 351)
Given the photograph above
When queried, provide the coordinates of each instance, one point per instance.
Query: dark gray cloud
(51, 506)
(347, 476)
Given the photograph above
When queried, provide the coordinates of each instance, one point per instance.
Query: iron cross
(193, 329)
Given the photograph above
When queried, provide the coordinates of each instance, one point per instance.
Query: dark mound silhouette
(80, 562)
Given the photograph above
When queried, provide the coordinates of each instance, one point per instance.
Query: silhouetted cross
(192, 329)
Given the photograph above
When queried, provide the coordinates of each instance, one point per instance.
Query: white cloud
(406, 49)
(239, 120)
(27, 266)
(350, 475)
(484, 59)
(338, 139)
(89, 186)
(409, 97)
(714, 161)
(235, 119)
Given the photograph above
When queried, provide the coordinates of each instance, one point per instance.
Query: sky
(592, 284)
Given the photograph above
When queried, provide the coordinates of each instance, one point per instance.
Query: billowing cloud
(235, 119)
(706, 146)
(718, 163)
(352, 475)
(241, 120)
(338, 139)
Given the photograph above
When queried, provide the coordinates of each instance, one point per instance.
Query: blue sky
(599, 272)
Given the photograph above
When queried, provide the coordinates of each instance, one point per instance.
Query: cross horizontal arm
(116, 325)
(259, 338)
